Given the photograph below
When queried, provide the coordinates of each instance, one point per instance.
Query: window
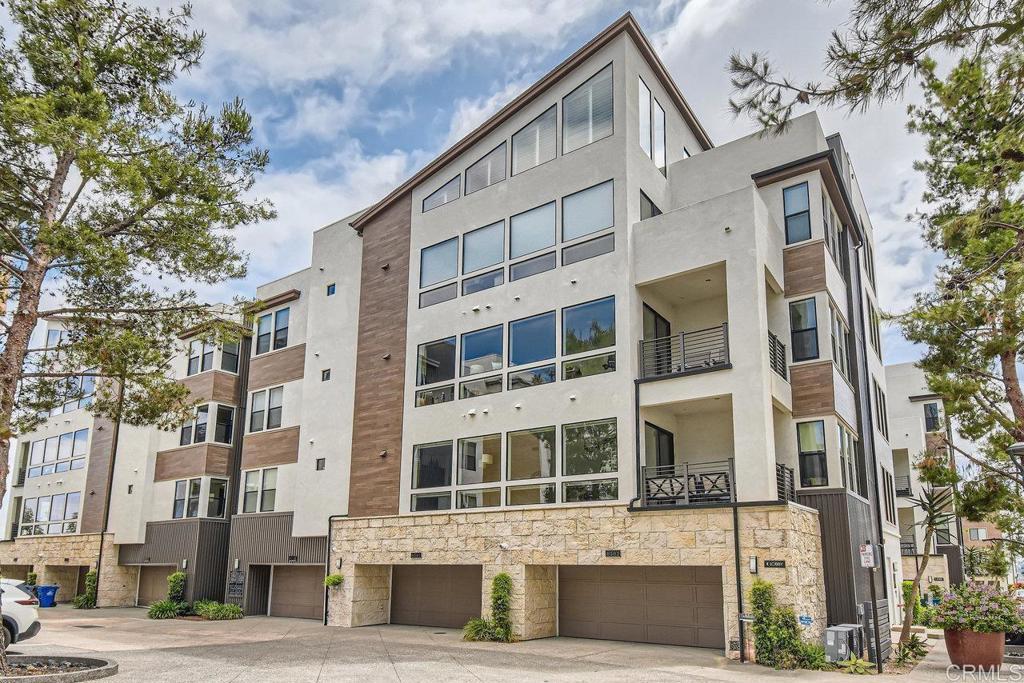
(479, 498)
(180, 491)
(592, 365)
(531, 454)
(659, 139)
(652, 127)
(55, 338)
(229, 357)
(803, 325)
(56, 514)
(881, 414)
(480, 459)
(833, 232)
(200, 357)
(813, 461)
(645, 117)
(427, 502)
(588, 211)
(932, 423)
(260, 490)
(531, 494)
(439, 295)
(186, 498)
(587, 112)
(432, 465)
(589, 491)
(482, 351)
(874, 328)
(850, 462)
(58, 453)
(439, 262)
(279, 336)
(435, 361)
(266, 410)
(225, 425)
(532, 377)
(331, 289)
(648, 209)
(532, 230)
(258, 411)
(840, 349)
(321, 464)
(217, 499)
(487, 171)
(325, 375)
(78, 392)
(480, 387)
(590, 448)
(448, 192)
(478, 283)
(483, 247)
(535, 143)
(798, 214)
(589, 326)
(889, 496)
(977, 534)
(194, 431)
(869, 262)
(430, 397)
(589, 249)
(274, 407)
(531, 339)
(268, 494)
(530, 267)
(250, 498)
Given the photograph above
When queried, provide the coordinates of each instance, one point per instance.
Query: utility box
(838, 643)
(858, 642)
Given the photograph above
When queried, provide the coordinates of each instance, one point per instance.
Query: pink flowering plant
(978, 609)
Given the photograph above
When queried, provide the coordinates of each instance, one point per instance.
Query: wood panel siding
(265, 449)
(94, 498)
(199, 541)
(276, 300)
(804, 269)
(277, 367)
(380, 363)
(213, 385)
(192, 461)
(813, 392)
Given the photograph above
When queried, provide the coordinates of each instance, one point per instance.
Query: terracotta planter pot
(983, 651)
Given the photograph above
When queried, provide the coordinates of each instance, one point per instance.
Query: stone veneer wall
(118, 584)
(537, 540)
(936, 573)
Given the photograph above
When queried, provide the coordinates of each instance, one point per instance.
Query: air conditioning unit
(839, 643)
(858, 644)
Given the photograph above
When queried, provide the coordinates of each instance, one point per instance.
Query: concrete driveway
(275, 649)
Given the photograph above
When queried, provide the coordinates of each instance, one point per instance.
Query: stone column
(118, 584)
(362, 600)
(541, 594)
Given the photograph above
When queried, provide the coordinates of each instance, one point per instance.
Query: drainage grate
(86, 626)
(440, 633)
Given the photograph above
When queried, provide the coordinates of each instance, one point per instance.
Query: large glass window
(217, 500)
(535, 143)
(483, 247)
(58, 453)
(797, 207)
(932, 423)
(482, 351)
(487, 171)
(813, 461)
(56, 514)
(531, 339)
(432, 465)
(531, 453)
(435, 361)
(480, 459)
(588, 211)
(803, 324)
(532, 230)
(266, 409)
(590, 448)
(439, 262)
(588, 326)
(587, 112)
(448, 192)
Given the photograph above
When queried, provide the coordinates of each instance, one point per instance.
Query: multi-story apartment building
(983, 536)
(604, 356)
(919, 427)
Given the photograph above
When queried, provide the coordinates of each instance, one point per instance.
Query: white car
(18, 605)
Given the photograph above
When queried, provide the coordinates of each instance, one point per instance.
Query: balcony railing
(908, 547)
(688, 484)
(777, 355)
(685, 352)
(902, 485)
(786, 482)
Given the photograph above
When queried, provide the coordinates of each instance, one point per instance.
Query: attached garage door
(435, 595)
(153, 584)
(666, 605)
(297, 592)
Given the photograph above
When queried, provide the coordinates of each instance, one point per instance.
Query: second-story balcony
(685, 352)
(687, 484)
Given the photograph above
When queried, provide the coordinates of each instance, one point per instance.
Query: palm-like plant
(936, 506)
(973, 560)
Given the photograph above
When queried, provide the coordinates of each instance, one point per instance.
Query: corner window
(482, 351)
(652, 126)
(217, 499)
(588, 211)
(796, 206)
(534, 144)
(813, 461)
(532, 230)
(803, 324)
(587, 112)
(487, 171)
(483, 247)
(194, 431)
(448, 192)
(432, 465)
(531, 339)
(531, 453)
(435, 361)
(590, 448)
(589, 326)
(480, 459)
(439, 262)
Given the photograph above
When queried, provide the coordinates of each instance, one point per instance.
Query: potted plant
(974, 621)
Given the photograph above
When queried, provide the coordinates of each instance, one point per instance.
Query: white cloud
(471, 112)
(698, 19)
(321, 116)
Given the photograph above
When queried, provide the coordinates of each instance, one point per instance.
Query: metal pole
(874, 613)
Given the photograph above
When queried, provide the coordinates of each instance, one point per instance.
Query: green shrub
(811, 656)
(908, 600)
(936, 593)
(917, 645)
(215, 611)
(201, 607)
(499, 627)
(333, 580)
(777, 641)
(176, 586)
(87, 600)
(163, 609)
(856, 665)
(31, 578)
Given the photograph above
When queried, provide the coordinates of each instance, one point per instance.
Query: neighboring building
(919, 426)
(590, 345)
(981, 536)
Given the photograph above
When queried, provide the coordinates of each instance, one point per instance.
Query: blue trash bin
(47, 595)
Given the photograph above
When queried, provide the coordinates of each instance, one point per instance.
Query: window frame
(458, 194)
(822, 454)
(793, 331)
(611, 130)
(786, 215)
(611, 196)
(504, 169)
(555, 134)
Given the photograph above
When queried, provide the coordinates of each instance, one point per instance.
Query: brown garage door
(435, 595)
(153, 584)
(297, 592)
(667, 605)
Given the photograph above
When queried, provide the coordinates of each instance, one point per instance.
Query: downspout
(739, 582)
(327, 559)
(110, 481)
(636, 432)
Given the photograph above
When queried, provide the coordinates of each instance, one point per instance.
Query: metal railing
(685, 352)
(777, 356)
(688, 484)
(908, 547)
(786, 482)
(902, 485)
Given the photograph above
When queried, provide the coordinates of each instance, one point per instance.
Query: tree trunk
(915, 590)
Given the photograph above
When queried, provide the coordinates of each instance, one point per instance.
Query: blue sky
(352, 97)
